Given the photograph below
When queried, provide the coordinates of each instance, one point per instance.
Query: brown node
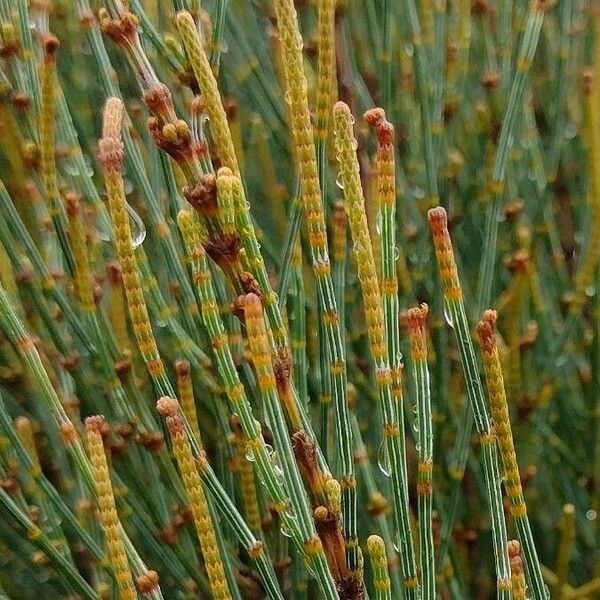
(51, 46)
(304, 449)
(173, 138)
(224, 248)
(121, 30)
(167, 407)
(490, 80)
(147, 582)
(203, 196)
(518, 263)
(282, 363)
(152, 440)
(513, 209)
(20, 100)
(97, 424)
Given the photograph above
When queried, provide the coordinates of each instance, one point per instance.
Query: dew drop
(249, 455)
(448, 315)
(418, 192)
(224, 47)
(590, 291)
(71, 168)
(127, 186)
(570, 131)
(409, 49)
(138, 229)
(396, 252)
(352, 119)
(89, 170)
(379, 222)
(383, 459)
(357, 247)
(339, 182)
(591, 515)
(287, 97)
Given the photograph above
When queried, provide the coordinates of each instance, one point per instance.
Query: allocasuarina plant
(299, 300)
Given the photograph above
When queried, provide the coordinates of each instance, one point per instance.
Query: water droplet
(224, 47)
(379, 222)
(138, 229)
(160, 322)
(287, 97)
(279, 476)
(85, 47)
(339, 182)
(418, 192)
(352, 119)
(89, 170)
(415, 427)
(127, 186)
(32, 25)
(285, 532)
(70, 168)
(418, 447)
(409, 49)
(383, 459)
(354, 144)
(396, 252)
(357, 247)
(590, 291)
(249, 454)
(448, 314)
(570, 131)
(591, 515)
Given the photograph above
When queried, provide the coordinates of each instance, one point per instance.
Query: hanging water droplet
(85, 47)
(339, 181)
(160, 322)
(70, 168)
(279, 476)
(396, 252)
(546, 592)
(591, 515)
(138, 229)
(418, 447)
(383, 459)
(415, 427)
(269, 450)
(89, 170)
(590, 291)
(249, 454)
(379, 222)
(409, 49)
(285, 532)
(448, 314)
(570, 131)
(352, 119)
(418, 192)
(32, 25)
(224, 47)
(127, 186)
